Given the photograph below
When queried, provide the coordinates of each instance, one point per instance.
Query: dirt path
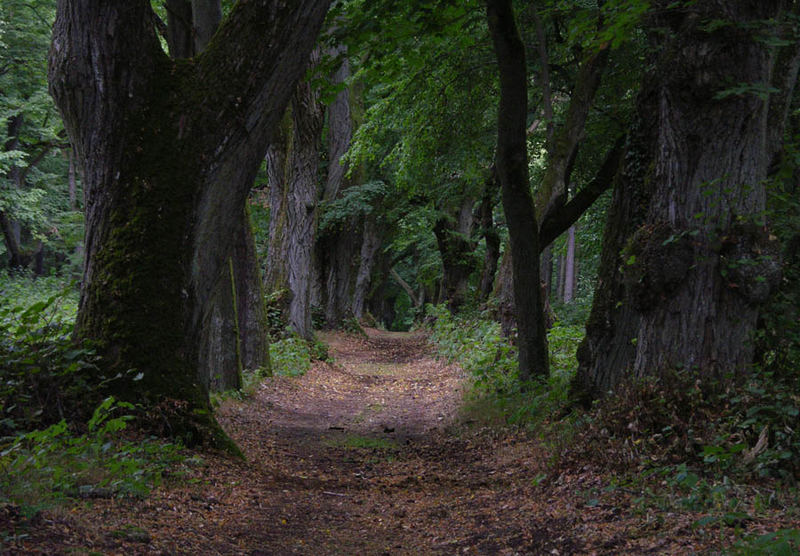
(364, 456)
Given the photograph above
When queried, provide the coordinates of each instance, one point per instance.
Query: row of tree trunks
(169, 150)
(346, 252)
(685, 228)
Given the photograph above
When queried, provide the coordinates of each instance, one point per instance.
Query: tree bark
(685, 226)
(72, 181)
(490, 236)
(512, 172)
(453, 237)
(169, 150)
(569, 266)
(206, 16)
(238, 338)
(251, 317)
(340, 129)
(292, 165)
(338, 247)
(180, 39)
(370, 248)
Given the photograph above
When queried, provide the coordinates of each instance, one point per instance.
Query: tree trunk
(72, 181)
(206, 15)
(239, 335)
(685, 226)
(348, 251)
(490, 236)
(278, 158)
(370, 247)
(180, 40)
(546, 269)
(292, 162)
(340, 245)
(340, 129)
(453, 237)
(569, 266)
(169, 151)
(512, 172)
(251, 316)
(18, 257)
(339, 255)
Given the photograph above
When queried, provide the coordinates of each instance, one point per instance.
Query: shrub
(44, 374)
(290, 356)
(42, 467)
(477, 344)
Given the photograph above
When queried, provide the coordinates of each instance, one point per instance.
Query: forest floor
(370, 455)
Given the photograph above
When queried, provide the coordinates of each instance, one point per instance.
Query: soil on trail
(365, 456)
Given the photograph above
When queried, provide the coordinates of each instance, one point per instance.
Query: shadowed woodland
(435, 277)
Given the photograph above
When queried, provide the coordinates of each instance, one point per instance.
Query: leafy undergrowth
(728, 455)
(59, 441)
(372, 454)
(44, 468)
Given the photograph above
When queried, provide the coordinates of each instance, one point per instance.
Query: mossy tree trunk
(169, 149)
(453, 231)
(292, 165)
(237, 337)
(687, 259)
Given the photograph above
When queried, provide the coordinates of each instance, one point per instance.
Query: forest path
(367, 456)
(365, 462)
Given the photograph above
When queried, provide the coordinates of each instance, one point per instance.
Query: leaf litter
(369, 455)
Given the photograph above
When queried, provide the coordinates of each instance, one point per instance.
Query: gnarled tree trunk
(238, 335)
(686, 259)
(169, 150)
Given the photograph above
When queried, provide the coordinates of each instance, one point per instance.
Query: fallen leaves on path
(366, 455)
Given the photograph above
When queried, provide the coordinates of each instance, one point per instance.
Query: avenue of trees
(247, 169)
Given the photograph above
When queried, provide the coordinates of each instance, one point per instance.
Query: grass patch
(356, 442)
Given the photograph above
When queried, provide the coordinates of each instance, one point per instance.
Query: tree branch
(406, 287)
(557, 221)
(252, 62)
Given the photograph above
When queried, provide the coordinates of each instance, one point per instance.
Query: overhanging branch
(556, 222)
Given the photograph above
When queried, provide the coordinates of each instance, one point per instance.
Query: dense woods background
(591, 206)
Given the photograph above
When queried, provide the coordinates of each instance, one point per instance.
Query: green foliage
(358, 200)
(45, 466)
(274, 304)
(290, 356)
(34, 162)
(49, 386)
(785, 542)
(476, 343)
(46, 375)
